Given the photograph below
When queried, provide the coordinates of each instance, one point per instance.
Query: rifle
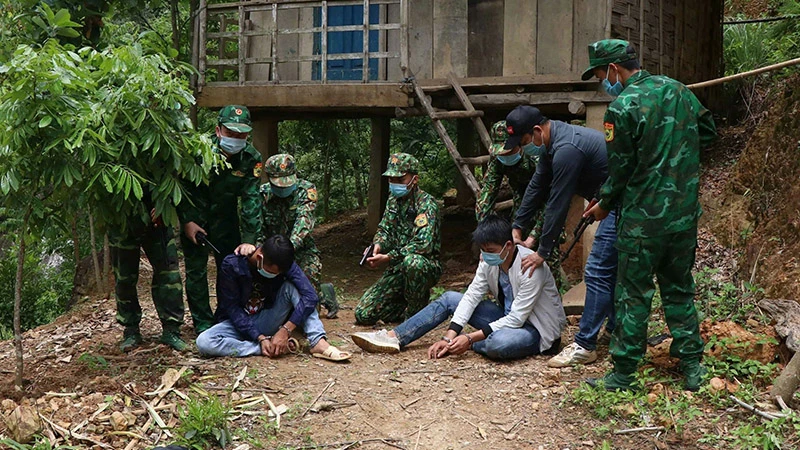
(203, 240)
(367, 254)
(582, 225)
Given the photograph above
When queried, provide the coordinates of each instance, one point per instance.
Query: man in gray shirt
(572, 161)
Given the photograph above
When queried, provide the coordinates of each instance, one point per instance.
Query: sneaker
(572, 354)
(130, 338)
(694, 376)
(328, 300)
(613, 381)
(376, 342)
(173, 339)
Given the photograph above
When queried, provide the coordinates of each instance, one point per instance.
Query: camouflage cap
(235, 118)
(401, 164)
(281, 170)
(499, 135)
(605, 52)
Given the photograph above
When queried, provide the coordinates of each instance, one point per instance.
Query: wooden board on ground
(574, 299)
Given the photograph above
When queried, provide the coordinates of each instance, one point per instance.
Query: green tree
(101, 129)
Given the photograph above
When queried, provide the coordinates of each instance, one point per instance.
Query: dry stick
(754, 410)
(239, 378)
(315, 400)
(158, 399)
(411, 402)
(274, 411)
(350, 443)
(66, 433)
(419, 433)
(637, 430)
(782, 403)
(480, 430)
(737, 76)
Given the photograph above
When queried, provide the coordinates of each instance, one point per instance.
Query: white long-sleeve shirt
(536, 299)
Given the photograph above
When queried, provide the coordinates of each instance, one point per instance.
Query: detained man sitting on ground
(264, 296)
(528, 322)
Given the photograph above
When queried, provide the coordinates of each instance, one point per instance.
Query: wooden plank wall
(486, 19)
(420, 38)
(450, 38)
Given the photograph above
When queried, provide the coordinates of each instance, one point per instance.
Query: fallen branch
(754, 410)
(67, 434)
(317, 399)
(60, 394)
(782, 404)
(638, 430)
(410, 403)
(350, 443)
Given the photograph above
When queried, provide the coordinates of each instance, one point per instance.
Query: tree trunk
(176, 29)
(344, 184)
(18, 301)
(76, 247)
(359, 182)
(788, 381)
(95, 261)
(193, 56)
(106, 266)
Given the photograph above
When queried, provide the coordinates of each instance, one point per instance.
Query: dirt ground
(74, 369)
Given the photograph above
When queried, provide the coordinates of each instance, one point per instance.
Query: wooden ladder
(464, 165)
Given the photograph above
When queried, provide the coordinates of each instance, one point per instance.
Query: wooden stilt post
(467, 145)
(265, 136)
(379, 156)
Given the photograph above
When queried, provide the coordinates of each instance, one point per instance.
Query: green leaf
(67, 32)
(61, 17)
(45, 121)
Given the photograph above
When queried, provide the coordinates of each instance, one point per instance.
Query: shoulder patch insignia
(238, 173)
(257, 169)
(421, 220)
(609, 131)
(312, 194)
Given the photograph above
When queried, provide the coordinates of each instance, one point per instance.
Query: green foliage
(41, 443)
(417, 137)
(94, 362)
(731, 365)
(46, 292)
(204, 423)
(756, 433)
(745, 47)
(721, 300)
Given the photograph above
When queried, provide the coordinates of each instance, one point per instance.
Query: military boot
(172, 337)
(694, 374)
(328, 300)
(614, 381)
(130, 338)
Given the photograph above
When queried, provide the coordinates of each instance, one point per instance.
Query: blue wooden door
(346, 42)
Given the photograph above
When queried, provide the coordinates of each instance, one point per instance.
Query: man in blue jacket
(263, 297)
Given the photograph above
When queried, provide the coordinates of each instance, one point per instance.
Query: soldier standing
(288, 209)
(147, 232)
(213, 209)
(408, 240)
(654, 131)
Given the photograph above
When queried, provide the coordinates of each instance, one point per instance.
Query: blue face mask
(283, 192)
(494, 259)
(615, 89)
(509, 160)
(532, 149)
(263, 272)
(231, 145)
(399, 189)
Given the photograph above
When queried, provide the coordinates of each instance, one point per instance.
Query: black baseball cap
(521, 121)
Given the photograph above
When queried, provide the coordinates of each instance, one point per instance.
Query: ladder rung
(475, 161)
(456, 115)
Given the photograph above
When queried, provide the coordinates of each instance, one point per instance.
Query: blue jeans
(223, 339)
(506, 343)
(600, 276)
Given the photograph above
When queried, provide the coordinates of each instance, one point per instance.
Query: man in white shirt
(529, 322)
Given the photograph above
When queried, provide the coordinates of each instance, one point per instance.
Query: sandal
(333, 354)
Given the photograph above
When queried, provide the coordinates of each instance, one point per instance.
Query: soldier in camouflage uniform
(214, 209)
(149, 233)
(408, 240)
(654, 131)
(288, 209)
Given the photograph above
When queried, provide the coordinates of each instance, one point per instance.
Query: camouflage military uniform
(159, 246)
(518, 176)
(293, 215)
(654, 131)
(215, 208)
(409, 233)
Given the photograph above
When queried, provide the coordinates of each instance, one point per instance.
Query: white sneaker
(376, 342)
(571, 355)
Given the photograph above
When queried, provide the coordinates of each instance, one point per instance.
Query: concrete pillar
(467, 145)
(378, 157)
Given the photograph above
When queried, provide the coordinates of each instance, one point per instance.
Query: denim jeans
(600, 276)
(223, 339)
(506, 343)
